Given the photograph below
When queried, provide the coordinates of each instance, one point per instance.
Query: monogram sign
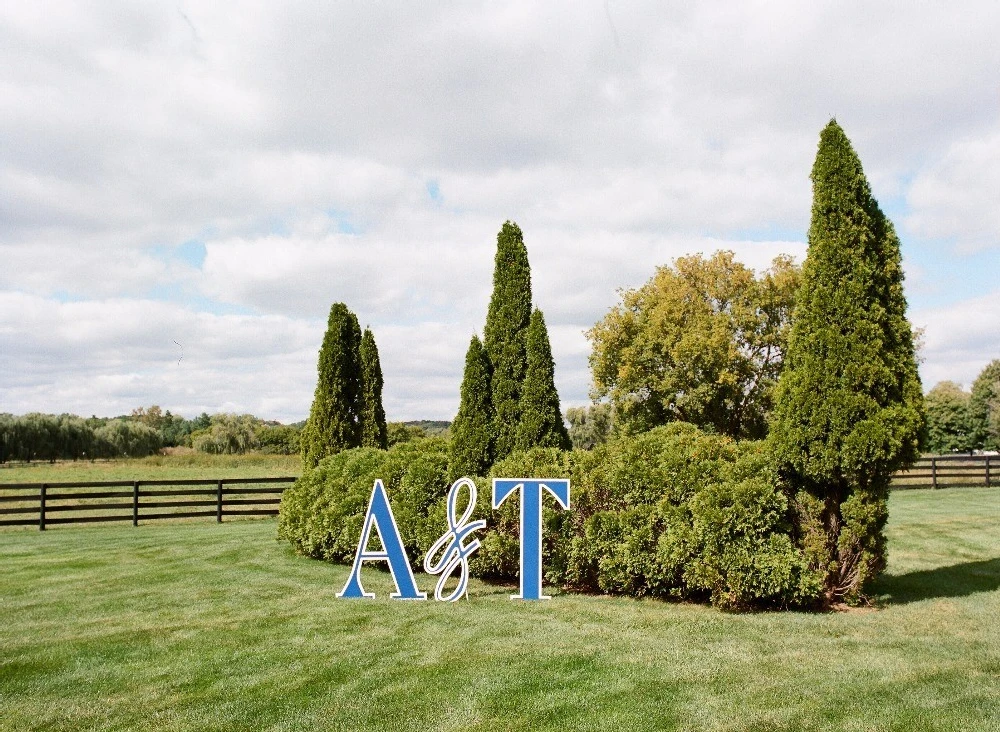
(449, 556)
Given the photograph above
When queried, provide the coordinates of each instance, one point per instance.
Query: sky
(186, 188)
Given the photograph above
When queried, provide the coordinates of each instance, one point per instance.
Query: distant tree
(984, 408)
(125, 438)
(398, 432)
(373, 428)
(700, 342)
(948, 423)
(8, 437)
(506, 333)
(590, 426)
(849, 406)
(278, 439)
(76, 438)
(334, 422)
(471, 446)
(151, 417)
(229, 434)
(175, 429)
(541, 422)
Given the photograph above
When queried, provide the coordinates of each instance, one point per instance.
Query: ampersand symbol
(454, 551)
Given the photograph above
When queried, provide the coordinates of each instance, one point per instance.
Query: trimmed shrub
(671, 513)
(322, 513)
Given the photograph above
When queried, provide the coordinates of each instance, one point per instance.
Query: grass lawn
(205, 626)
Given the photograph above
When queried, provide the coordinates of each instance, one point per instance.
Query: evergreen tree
(471, 446)
(373, 427)
(334, 420)
(849, 408)
(541, 418)
(505, 334)
(984, 408)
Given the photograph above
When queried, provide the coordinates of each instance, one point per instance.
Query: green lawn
(205, 626)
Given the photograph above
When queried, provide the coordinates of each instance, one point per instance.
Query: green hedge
(671, 513)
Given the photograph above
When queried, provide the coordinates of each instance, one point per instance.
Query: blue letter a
(379, 516)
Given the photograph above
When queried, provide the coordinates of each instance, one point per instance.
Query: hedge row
(670, 513)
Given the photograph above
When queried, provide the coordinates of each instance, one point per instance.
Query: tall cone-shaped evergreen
(849, 406)
(471, 447)
(334, 422)
(505, 334)
(373, 428)
(541, 418)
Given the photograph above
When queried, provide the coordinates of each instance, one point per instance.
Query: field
(159, 467)
(203, 626)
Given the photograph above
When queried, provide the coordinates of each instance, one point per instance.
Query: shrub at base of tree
(672, 513)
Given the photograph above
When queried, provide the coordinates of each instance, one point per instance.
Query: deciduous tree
(701, 342)
(948, 423)
(984, 408)
(590, 426)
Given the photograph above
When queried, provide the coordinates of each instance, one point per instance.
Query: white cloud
(956, 198)
(959, 339)
(299, 144)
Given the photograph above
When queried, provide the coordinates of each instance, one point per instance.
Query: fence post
(218, 503)
(933, 473)
(135, 503)
(987, 471)
(41, 508)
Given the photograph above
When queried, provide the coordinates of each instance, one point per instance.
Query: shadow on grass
(956, 580)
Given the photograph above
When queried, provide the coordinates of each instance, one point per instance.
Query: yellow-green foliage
(700, 342)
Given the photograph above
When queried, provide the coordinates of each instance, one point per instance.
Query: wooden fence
(46, 504)
(951, 471)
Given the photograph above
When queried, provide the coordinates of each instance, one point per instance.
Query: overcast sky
(186, 188)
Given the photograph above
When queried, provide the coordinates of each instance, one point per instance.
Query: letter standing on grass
(379, 516)
(531, 525)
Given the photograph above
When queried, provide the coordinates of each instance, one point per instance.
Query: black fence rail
(48, 504)
(951, 471)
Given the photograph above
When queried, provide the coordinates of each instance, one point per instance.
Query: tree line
(40, 437)
(965, 421)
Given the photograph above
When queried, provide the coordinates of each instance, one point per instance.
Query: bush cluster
(671, 513)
